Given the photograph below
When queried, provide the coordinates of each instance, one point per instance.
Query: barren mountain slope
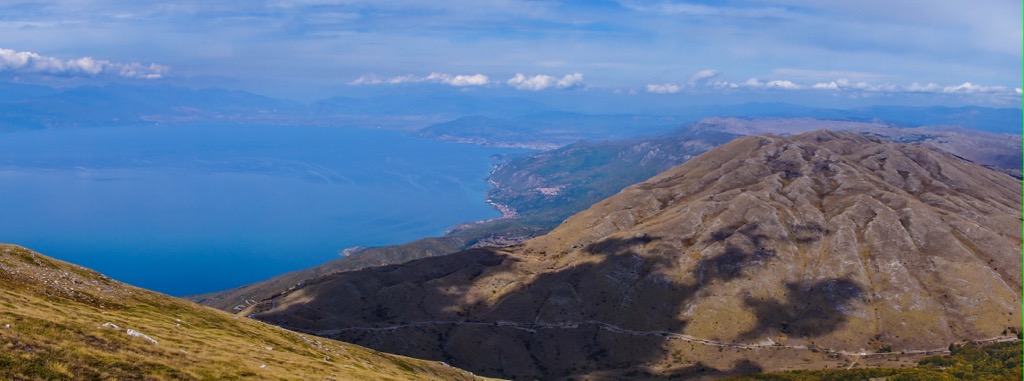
(544, 188)
(766, 253)
(1001, 152)
(59, 321)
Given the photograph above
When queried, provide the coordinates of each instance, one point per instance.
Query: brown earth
(767, 253)
(582, 174)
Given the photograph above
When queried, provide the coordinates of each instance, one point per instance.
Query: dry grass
(59, 321)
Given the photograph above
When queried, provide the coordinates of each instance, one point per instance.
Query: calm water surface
(191, 209)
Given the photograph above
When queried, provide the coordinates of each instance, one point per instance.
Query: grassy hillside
(59, 321)
(999, 361)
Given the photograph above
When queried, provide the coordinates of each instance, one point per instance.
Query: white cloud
(776, 84)
(34, 63)
(782, 84)
(702, 76)
(726, 85)
(570, 80)
(666, 88)
(408, 78)
(826, 86)
(458, 80)
(846, 84)
(915, 87)
(537, 82)
(367, 79)
(919, 88)
(968, 87)
(469, 80)
(447, 79)
(541, 82)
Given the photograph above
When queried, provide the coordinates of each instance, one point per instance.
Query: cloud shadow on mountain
(609, 312)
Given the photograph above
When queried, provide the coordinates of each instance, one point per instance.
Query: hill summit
(766, 253)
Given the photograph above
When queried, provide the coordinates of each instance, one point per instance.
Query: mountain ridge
(544, 188)
(783, 244)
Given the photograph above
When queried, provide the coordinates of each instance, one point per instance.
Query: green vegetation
(580, 174)
(993, 362)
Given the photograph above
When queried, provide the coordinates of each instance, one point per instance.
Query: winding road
(535, 327)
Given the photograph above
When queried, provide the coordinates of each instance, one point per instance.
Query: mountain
(995, 120)
(766, 253)
(547, 187)
(997, 361)
(116, 104)
(540, 190)
(59, 321)
(988, 119)
(548, 130)
(536, 192)
(999, 151)
(16, 91)
(437, 102)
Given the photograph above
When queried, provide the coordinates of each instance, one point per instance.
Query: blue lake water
(198, 208)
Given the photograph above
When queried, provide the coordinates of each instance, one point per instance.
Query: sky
(965, 50)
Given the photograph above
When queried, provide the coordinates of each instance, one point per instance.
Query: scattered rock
(134, 333)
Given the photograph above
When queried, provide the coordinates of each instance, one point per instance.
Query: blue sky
(966, 49)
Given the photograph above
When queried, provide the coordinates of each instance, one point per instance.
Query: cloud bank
(541, 82)
(666, 88)
(700, 82)
(519, 81)
(442, 78)
(16, 62)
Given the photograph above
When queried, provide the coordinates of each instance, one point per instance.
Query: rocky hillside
(59, 321)
(543, 189)
(767, 253)
(999, 151)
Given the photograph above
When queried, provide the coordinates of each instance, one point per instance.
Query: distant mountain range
(480, 117)
(549, 130)
(91, 106)
(765, 253)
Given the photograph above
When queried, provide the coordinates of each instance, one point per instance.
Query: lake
(188, 209)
